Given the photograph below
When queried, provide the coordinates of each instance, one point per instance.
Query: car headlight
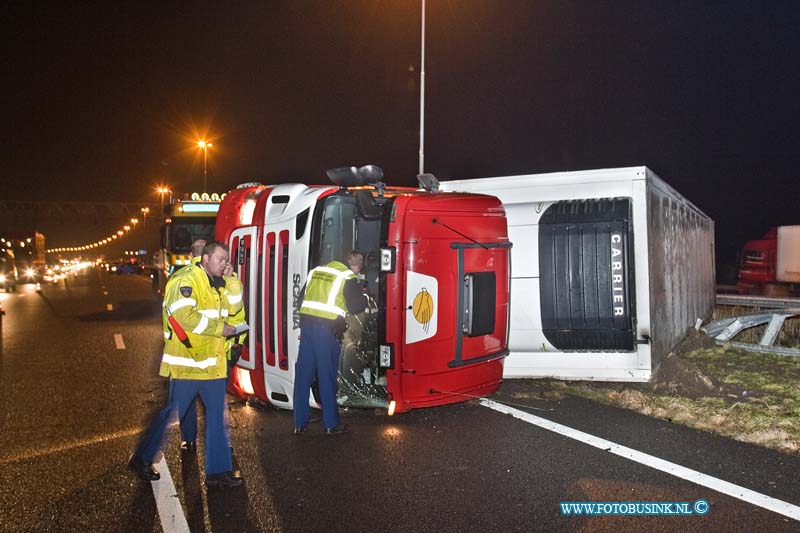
(2, 278)
(30, 273)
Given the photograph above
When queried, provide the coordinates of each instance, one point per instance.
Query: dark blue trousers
(318, 356)
(189, 419)
(182, 394)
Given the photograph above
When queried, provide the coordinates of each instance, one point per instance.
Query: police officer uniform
(331, 292)
(236, 315)
(196, 307)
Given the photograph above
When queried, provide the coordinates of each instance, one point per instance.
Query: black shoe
(341, 428)
(146, 471)
(300, 431)
(189, 447)
(224, 480)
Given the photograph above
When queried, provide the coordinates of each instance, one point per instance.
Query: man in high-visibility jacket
(331, 292)
(195, 314)
(234, 290)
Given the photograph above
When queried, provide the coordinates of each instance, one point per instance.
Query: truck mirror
(428, 182)
(345, 177)
(371, 173)
(368, 208)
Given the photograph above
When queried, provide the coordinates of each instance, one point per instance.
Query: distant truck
(771, 265)
(184, 222)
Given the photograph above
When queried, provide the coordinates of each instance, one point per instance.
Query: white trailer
(788, 254)
(610, 270)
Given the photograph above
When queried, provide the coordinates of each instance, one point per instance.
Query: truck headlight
(386, 356)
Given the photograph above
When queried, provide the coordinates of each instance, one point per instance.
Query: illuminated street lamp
(134, 221)
(145, 212)
(162, 190)
(205, 146)
(126, 228)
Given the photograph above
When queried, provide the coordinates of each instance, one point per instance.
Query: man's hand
(228, 330)
(228, 269)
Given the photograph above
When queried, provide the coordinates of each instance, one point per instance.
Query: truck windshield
(339, 228)
(184, 231)
(753, 256)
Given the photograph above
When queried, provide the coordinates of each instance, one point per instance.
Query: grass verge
(746, 396)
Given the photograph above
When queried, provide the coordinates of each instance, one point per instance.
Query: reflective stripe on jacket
(201, 312)
(324, 296)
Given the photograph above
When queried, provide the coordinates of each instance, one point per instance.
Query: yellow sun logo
(423, 308)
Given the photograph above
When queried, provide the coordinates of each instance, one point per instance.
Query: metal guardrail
(746, 300)
(775, 313)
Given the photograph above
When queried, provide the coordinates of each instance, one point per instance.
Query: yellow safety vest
(324, 295)
(202, 312)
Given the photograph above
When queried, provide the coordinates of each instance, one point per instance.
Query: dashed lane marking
(109, 307)
(118, 341)
(105, 293)
(169, 507)
(735, 491)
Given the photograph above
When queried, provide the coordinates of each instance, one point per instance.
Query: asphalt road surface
(79, 383)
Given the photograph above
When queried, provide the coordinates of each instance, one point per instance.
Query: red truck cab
(757, 263)
(436, 279)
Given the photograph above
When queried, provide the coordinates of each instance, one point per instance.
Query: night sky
(102, 101)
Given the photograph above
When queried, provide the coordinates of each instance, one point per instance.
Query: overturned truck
(610, 270)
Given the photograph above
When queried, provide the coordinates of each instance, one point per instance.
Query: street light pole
(162, 191)
(422, 96)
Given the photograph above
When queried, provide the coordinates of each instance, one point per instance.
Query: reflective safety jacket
(324, 296)
(200, 312)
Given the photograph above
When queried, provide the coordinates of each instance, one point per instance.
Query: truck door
(244, 260)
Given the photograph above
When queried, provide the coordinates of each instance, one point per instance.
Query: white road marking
(170, 511)
(105, 293)
(109, 307)
(735, 491)
(118, 341)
